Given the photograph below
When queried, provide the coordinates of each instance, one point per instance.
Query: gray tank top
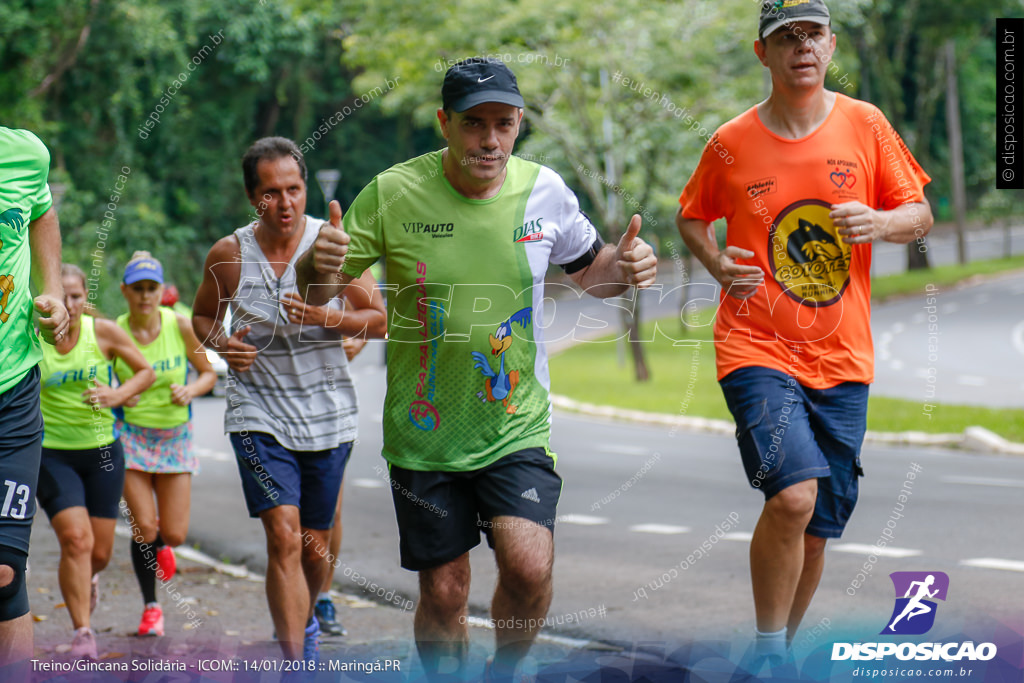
(299, 389)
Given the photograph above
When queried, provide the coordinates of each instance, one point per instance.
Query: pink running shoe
(166, 563)
(152, 623)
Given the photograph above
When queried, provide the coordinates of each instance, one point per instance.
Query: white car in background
(218, 363)
(221, 368)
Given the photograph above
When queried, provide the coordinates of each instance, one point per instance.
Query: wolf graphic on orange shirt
(808, 259)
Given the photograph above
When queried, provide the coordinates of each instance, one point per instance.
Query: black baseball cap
(776, 14)
(477, 80)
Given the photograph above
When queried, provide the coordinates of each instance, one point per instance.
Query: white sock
(770, 644)
(323, 596)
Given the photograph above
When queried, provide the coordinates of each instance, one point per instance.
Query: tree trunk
(631, 323)
(917, 258)
(956, 151)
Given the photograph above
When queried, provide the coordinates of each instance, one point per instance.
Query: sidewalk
(214, 620)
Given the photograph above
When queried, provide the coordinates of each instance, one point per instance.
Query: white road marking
(582, 520)
(1018, 337)
(994, 563)
(985, 481)
(863, 549)
(368, 483)
(210, 454)
(917, 319)
(971, 380)
(949, 308)
(897, 328)
(666, 529)
(623, 449)
(743, 536)
(883, 347)
(564, 641)
(239, 571)
(187, 553)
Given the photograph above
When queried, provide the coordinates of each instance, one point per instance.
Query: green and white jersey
(24, 197)
(467, 369)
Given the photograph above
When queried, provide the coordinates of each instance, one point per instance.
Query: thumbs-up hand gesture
(636, 258)
(331, 245)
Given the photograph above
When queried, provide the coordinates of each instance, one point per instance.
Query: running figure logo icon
(914, 612)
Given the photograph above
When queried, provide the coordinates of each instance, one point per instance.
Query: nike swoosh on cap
(481, 80)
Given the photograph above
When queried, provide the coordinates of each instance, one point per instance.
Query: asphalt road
(639, 502)
(959, 346)
(961, 516)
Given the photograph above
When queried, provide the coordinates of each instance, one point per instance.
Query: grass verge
(914, 282)
(683, 373)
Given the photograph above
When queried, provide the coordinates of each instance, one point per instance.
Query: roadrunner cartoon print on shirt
(499, 385)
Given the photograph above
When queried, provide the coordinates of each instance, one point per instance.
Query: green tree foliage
(257, 68)
(87, 75)
(899, 48)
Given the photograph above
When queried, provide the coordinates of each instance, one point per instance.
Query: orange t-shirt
(811, 319)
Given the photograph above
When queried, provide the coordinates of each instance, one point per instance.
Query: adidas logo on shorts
(531, 494)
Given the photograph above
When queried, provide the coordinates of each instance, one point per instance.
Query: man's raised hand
(636, 258)
(331, 245)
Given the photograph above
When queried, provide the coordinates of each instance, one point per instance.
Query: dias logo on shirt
(809, 259)
(530, 231)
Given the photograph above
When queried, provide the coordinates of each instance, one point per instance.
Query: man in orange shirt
(806, 181)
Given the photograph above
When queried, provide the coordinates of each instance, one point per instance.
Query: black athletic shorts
(441, 514)
(21, 439)
(92, 478)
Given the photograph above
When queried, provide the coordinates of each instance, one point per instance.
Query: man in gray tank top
(291, 412)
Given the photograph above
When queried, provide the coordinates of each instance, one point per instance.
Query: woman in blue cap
(157, 431)
(82, 470)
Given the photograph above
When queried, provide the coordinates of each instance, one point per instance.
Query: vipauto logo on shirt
(433, 229)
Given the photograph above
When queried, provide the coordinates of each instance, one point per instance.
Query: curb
(976, 439)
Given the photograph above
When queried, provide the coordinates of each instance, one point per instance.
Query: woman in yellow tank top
(82, 470)
(157, 433)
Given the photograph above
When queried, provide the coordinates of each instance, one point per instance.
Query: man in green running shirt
(29, 243)
(467, 412)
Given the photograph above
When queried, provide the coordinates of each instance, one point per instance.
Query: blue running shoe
(327, 616)
(311, 645)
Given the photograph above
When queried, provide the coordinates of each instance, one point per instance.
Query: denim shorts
(273, 475)
(788, 433)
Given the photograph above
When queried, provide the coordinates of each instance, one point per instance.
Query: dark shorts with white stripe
(441, 514)
(21, 447)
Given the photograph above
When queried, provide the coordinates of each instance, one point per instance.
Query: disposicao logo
(912, 615)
